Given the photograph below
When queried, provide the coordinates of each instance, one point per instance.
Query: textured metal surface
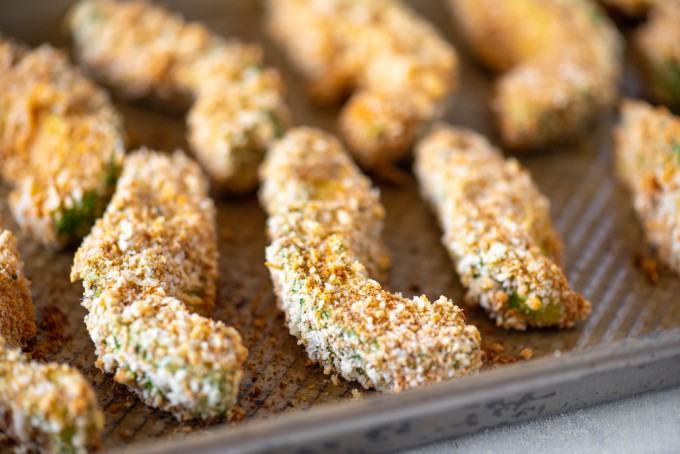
(590, 209)
(512, 394)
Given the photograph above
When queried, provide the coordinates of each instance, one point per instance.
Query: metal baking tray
(630, 343)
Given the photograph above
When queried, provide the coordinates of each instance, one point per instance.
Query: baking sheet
(593, 213)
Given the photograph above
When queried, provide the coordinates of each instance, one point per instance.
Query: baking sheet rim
(328, 421)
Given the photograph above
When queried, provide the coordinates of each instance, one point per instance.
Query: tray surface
(590, 209)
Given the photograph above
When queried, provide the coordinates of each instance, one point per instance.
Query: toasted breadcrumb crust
(17, 313)
(560, 63)
(325, 224)
(46, 407)
(399, 67)
(497, 230)
(657, 44)
(149, 268)
(61, 143)
(647, 151)
(144, 51)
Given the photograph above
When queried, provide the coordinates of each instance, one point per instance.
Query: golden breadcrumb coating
(325, 222)
(61, 143)
(149, 268)
(144, 51)
(560, 63)
(16, 306)
(647, 151)
(46, 407)
(398, 66)
(657, 44)
(497, 230)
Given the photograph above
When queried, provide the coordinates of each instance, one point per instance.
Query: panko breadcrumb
(16, 307)
(325, 222)
(398, 65)
(560, 62)
(497, 230)
(61, 143)
(46, 407)
(647, 151)
(149, 268)
(143, 51)
(657, 44)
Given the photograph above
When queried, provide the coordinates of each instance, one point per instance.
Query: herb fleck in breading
(46, 407)
(497, 230)
(325, 222)
(149, 269)
(560, 63)
(143, 51)
(647, 151)
(657, 43)
(61, 143)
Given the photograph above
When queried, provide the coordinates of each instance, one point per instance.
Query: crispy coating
(657, 44)
(143, 51)
(61, 143)
(560, 62)
(325, 224)
(48, 407)
(149, 268)
(400, 69)
(16, 307)
(497, 230)
(647, 151)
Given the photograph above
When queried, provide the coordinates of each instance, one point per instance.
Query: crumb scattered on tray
(494, 354)
(496, 347)
(648, 266)
(526, 353)
(255, 392)
(237, 415)
(52, 325)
